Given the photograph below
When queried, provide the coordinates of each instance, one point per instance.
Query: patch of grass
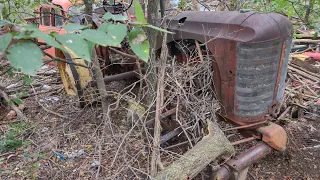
(14, 138)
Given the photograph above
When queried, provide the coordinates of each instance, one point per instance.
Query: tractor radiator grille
(256, 75)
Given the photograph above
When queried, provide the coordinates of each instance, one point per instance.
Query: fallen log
(213, 145)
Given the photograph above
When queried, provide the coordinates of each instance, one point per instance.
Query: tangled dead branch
(190, 87)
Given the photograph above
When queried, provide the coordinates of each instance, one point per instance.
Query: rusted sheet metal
(249, 58)
(242, 161)
(274, 135)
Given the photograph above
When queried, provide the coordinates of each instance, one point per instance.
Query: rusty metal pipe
(116, 77)
(121, 76)
(223, 173)
(243, 160)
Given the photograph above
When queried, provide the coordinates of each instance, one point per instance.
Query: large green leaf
(108, 16)
(139, 12)
(108, 35)
(78, 45)
(104, 26)
(4, 42)
(91, 46)
(116, 32)
(25, 56)
(32, 31)
(3, 22)
(139, 43)
(73, 27)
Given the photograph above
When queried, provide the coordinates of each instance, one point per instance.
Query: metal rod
(244, 140)
(247, 126)
(116, 77)
(121, 76)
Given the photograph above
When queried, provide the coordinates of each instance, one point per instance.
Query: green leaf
(139, 12)
(10, 72)
(114, 36)
(115, 32)
(76, 44)
(315, 36)
(104, 27)
(22, 94)
(108, 16)
(139, 43)
(18, 101)
(4, 42)
(97, 37)
(73, 27)
(2, 23)
(25, 56)
(159, 29)
(32, 31)
(26, 80)
(36, 164)
(10, 102)
(297, 35)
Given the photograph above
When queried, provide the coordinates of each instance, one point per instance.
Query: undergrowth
(15, 137)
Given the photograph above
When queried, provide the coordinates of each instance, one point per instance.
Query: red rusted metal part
(275, 105)
(274, 135)
(248, 58)
(242, 161)
(315, 55)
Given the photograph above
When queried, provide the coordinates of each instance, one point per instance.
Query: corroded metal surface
(242, 161)
(256, 75)
(249, 56)
(274, 135)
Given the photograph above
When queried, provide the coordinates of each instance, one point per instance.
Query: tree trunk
(211, 146)
(309, 8)
(88, 10)
(151, 73)
(153, 15)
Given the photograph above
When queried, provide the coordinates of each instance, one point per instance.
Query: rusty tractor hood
(233, 25)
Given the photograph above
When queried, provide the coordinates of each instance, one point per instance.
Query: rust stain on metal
(242, 161)
(247, 57)
(274, 135)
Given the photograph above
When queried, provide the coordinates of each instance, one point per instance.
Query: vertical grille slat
(256, 77)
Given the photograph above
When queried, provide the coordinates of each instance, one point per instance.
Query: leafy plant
(12, 139)
(27, 56)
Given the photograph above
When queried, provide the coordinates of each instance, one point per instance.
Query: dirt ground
(301, 160)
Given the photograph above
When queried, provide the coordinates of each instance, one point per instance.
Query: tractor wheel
(74, 78)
